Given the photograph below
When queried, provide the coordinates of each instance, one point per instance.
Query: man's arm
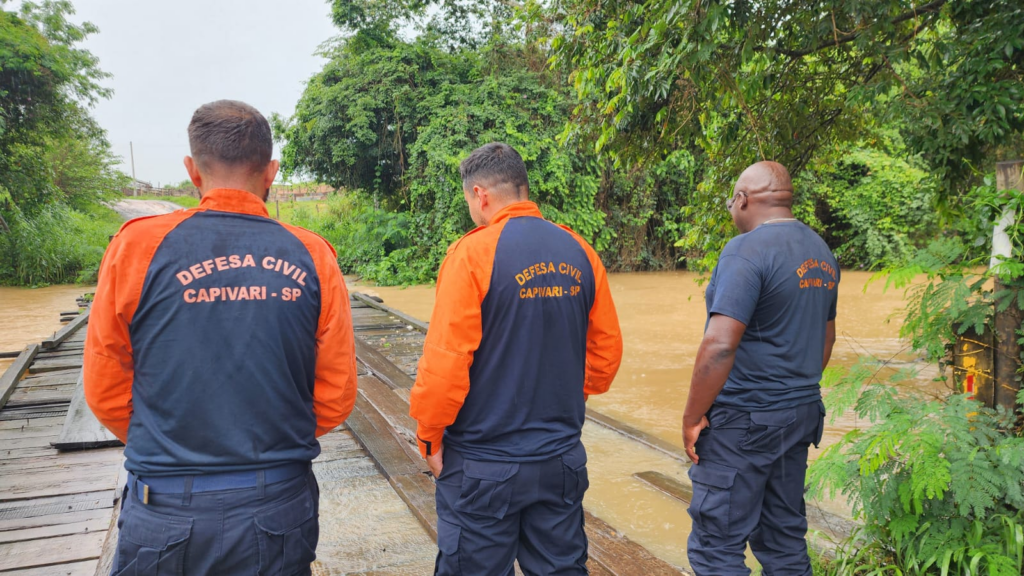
(604, 338)
(334, 390)
(442, 379)
(714, 362)
(108, 368)
(830, 341)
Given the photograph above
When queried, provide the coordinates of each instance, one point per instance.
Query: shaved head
(767, 182)
(763, 192)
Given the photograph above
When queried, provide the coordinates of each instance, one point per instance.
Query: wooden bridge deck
(58, 509)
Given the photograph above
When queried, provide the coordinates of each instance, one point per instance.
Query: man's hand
(435, 462)
(690, 435)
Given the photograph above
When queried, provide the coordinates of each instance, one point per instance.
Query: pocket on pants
(486, 488)
(448, 536)
(821, 424)
(287, 535)
(765, 431)
(712, 497)
(151, 543)
(574, 475)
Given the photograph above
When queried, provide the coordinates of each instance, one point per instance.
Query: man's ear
(270, 172)
(482, 195)
(193, 172)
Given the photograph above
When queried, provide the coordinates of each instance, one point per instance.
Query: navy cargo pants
(271, 528)
(749, 487)
(490, 514)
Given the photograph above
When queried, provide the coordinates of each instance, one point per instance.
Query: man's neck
(775, 215)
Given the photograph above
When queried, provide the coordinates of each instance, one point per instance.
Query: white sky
(167, 58)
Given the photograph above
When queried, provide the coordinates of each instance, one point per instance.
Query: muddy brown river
(662, 317)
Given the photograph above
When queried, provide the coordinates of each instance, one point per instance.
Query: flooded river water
(662, 317)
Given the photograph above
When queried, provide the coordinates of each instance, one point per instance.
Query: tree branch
(837, 40)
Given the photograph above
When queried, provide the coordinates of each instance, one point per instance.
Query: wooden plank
(381, 367)
(31, 412)
(640, 436)
(63, 378)
(51, 551)
(70, 481)
(668, 485)
(83, 568)
(394, 461)
(414, 322)
(40, 396)
(81, 428)
(382, 442)
(66, 332)
(63, 529)
(43, 427)
(13, 354)
(10, 377)
(46, 506)
(389, 405)
(55, 365)
(15, 524)
(20, 424)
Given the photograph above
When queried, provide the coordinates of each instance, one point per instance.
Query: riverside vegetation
(634, 117)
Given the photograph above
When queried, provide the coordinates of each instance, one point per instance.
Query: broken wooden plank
(668, 485)
(10, 377)
(81, 429)
(409, 320)
(66, 332)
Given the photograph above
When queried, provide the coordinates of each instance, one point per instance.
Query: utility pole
(131, 148)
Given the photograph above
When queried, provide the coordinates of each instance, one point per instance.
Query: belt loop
(186, 494)
(261, 483)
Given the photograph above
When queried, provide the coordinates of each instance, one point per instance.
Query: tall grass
(58, 245)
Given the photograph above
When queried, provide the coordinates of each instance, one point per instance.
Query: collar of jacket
(516, 210)
(231, 200)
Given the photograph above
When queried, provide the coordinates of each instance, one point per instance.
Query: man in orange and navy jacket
(220, 346)
(523, 330)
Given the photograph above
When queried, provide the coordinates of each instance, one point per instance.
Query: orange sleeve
(335, 386)
(604, 338)
(108, 368)
(442, 379)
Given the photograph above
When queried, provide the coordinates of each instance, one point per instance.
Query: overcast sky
(167, 58)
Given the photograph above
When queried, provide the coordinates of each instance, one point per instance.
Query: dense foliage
(55, 164)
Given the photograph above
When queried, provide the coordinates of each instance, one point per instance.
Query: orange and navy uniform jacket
(523, 330)
(219, 340)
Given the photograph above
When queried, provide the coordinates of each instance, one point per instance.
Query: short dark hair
(232, 133)
(497, 162)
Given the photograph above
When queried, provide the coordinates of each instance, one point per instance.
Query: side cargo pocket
(574, 474)
(711, 506)
(448, 536)
(287, 535)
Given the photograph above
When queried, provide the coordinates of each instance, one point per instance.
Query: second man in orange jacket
(523, 330)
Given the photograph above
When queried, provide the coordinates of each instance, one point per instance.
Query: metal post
(1006, 323)
(135, 181)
